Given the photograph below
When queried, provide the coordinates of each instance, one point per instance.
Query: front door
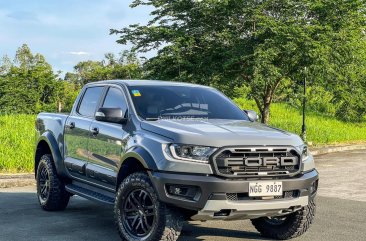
(107, 142)
(77, 132)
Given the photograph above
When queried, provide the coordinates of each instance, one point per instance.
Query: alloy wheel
(44, 184)
(276, 220)
(138, 213)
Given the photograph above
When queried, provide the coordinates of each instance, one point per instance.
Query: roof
(147, 82)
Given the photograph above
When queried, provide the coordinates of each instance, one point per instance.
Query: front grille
(245, 196)
(256, 161)
(232, 196)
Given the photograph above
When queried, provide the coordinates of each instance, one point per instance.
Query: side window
(90, 101)
(115, 99)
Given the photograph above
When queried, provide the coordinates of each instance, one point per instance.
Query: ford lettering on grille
(257, 161)
(266, 161)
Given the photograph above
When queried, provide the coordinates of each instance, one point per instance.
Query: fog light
(186, 192)
(179, 191)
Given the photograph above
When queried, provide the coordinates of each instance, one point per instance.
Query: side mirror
(113, 115)
(253, 116)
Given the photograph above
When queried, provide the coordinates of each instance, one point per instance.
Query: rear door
(107, 142)
(77, 131)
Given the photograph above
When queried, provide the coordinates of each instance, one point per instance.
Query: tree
(263, 45)
(29, 85)
(68, 91)
(125, 66)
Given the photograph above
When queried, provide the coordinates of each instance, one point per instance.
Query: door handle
(95, 130)
(72, 125)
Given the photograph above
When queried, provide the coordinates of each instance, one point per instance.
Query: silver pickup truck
(164, 152)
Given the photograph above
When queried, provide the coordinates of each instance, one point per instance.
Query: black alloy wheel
(44, 184)
(139, 213)
(275, 220)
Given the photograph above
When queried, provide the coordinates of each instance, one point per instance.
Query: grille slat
(257, 161)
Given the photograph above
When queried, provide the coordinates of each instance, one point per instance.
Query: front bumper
(213, 197)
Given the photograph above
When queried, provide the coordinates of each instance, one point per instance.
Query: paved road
(341, 212)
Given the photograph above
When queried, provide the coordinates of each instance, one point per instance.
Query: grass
(16, 143)
(321, 130)
(17, 133)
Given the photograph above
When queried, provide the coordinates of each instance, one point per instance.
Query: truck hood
(218, 133)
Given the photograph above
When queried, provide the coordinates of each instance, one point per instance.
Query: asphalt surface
(341, 213)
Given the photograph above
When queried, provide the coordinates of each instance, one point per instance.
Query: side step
(91, 194)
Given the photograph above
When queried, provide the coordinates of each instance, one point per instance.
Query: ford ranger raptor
(164, 152)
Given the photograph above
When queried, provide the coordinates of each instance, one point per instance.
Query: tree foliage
(125, 66)
(264, 45)
(29, 85)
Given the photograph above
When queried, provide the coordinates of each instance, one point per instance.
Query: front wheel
(286, 227)
(140, 215)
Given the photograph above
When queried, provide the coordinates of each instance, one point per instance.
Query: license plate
(262, 189)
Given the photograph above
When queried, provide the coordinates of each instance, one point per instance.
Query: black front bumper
(216, 188)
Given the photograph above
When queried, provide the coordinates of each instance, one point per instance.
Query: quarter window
(90, 101)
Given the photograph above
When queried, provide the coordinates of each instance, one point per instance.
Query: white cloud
(79, 53)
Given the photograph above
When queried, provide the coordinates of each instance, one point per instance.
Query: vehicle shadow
(85, 220)
(193, 231)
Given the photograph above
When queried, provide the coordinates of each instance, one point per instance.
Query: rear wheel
(286, 227)
(140, 215)
(51, 192)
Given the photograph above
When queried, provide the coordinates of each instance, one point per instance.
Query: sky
(66, 31)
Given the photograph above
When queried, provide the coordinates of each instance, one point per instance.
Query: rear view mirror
(113, 115)
(253, 116)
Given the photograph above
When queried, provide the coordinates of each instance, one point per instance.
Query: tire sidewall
(128, 185)
(58, 198)
(296, 224)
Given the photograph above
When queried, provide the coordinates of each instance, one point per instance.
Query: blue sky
(66, 31)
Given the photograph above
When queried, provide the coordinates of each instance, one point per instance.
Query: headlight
(307, 159)
(304, 152)
(189, 152)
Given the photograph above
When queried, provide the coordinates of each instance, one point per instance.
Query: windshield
(183, 102)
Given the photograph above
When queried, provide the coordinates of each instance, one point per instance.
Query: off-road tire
(57, 198)
(168, 222)
(294, 225)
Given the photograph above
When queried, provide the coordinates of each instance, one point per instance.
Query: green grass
(16, 143)
(321, 130)
(17, 133)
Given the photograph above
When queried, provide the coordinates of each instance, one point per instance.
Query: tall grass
(16, 143)
(321, 129)
(17, 133)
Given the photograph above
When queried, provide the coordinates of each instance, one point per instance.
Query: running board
(90, 194)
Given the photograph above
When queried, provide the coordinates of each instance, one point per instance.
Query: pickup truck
(162, 153)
